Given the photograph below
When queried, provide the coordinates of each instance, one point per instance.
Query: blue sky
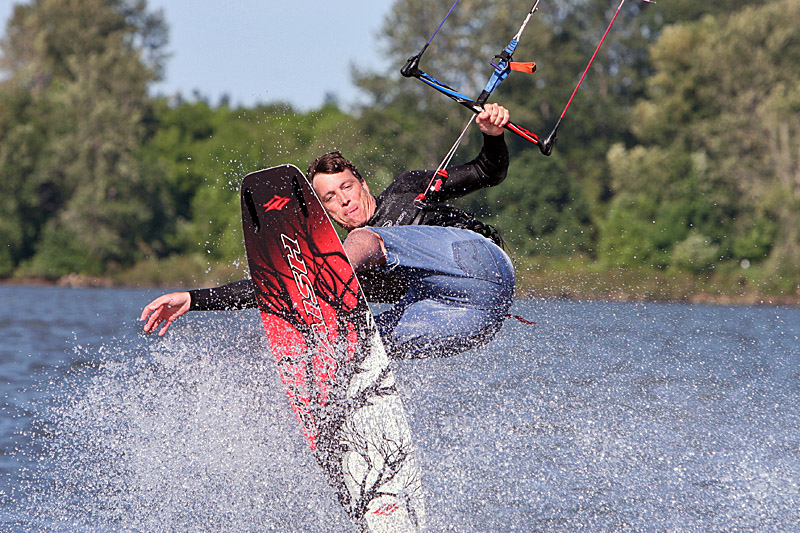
(266, 50)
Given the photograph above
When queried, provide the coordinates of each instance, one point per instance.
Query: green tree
(422, 123)
(202, 153)
(724, 96)
(539, 215)
(76, 96)
(660, 196)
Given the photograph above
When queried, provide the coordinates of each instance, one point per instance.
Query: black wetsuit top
(395, 207)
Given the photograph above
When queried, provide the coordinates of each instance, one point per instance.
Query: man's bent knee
(364, 249)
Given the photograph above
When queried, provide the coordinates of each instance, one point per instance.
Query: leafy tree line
(72, 111)
(98, 176)
(679, 153)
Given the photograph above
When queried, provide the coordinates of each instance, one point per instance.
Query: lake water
(602, 416)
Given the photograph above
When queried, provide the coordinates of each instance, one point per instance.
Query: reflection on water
(602, 416)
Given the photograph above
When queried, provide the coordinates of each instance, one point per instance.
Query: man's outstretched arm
(163, 311)
(236, 295)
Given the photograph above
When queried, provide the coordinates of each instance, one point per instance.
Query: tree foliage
(201, 153)
(70, 133)
(681, 151)
(719, 136)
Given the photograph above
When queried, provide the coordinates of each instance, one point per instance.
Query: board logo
(323, 356)
(386, 509)
(277, 203)
(300, 274)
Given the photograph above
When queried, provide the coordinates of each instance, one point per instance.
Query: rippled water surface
(644, 417)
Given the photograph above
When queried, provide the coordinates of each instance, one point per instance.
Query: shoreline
(696, 298)
(77, 281)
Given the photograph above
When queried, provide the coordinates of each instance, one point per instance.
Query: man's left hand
(492, 119)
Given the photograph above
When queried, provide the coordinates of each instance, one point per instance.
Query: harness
(452, 217)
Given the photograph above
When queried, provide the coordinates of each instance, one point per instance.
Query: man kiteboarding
(445, 273)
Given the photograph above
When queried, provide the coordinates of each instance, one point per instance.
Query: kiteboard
(329, 352)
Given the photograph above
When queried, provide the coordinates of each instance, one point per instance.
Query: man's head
(341, 189)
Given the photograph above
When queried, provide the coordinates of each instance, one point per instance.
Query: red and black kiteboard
(328, 350)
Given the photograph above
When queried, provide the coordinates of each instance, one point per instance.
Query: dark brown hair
(331, 163)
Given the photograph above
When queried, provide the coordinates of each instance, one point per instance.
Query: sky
(266, 50)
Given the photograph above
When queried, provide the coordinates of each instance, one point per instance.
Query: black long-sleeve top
(393, 207)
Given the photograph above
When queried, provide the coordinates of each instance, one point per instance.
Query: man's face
(346, 198)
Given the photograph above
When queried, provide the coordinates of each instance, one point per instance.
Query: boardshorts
(461, 286)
